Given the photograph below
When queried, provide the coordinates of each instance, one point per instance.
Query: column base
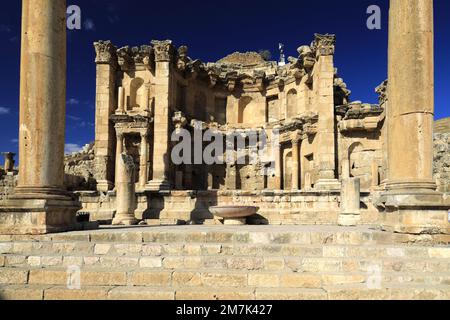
(158, 185)
(125, 220)
(415, 213)
(23, 216)
(328, 185)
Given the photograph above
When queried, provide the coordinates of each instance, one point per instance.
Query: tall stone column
(411, 202)
(295, 162)
(143, 170)
(323, 82)
(119, 150)
(41, 205)
(161, 152)
(106, 103)
(126, 192)
(121, 101)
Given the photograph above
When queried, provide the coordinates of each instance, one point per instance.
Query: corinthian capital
(163, 50)
(105, 52)
(323, 44)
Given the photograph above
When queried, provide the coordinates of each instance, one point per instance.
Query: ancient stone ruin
(357, 180)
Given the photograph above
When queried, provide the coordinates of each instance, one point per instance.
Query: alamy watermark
(242, 147)
(73, 277)
(374, 19)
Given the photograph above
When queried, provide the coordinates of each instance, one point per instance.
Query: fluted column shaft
(411, 95)
(42, 97)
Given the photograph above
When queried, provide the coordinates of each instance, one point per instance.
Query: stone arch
(291, 104)
(136, 93)
(361, 163)
(244, 112)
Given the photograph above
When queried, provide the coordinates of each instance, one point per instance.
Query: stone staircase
(225, 263)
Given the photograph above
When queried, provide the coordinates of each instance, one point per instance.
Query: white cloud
(4, 110)
(72, 148)
(73, 101)
(14, 140)
(5, 28)
(89, 24)
(73, 118)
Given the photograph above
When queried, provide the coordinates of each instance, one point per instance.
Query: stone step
(309, 235)
(156, 249)
(231, 262)
(216, 278)
(339, 292)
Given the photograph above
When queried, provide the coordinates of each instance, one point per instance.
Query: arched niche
(136, 93)
(361, 163)
(291, 101)
(244, 111)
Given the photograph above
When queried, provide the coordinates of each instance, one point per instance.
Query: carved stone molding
(125, 59)
(324, 44)
(163, 50)
(382, 91)
(105, 52)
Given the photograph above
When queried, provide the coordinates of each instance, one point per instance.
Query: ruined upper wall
(442, 126)
(236, 70)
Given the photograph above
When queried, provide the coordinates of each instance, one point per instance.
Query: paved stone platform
(226, 263)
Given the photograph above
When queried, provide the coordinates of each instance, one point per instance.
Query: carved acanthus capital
(179, 120)
(125, 59)
(142, 55)
(105, 52)
(324, 44)
(183, 58)
(163, 50)
(382, 91)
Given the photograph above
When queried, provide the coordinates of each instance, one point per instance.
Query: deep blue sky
(213, 29)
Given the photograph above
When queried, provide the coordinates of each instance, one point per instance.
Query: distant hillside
(442, 126)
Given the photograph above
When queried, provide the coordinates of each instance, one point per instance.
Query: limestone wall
(441, 165)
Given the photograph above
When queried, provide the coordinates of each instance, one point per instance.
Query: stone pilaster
(411, 203)
(105, 105)
(323, 83)
(161, 153)
(40, 204)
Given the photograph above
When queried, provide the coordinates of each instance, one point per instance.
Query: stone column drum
(350, 202)
(411, 203)
(40, 204)
(126, 191)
